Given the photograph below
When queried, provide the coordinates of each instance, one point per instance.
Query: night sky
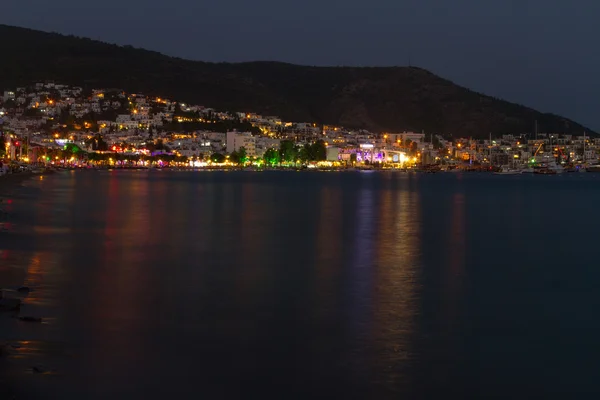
(541, 53)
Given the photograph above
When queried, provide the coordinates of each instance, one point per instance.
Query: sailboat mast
(583, 147)
(490, 155)
(536, 130)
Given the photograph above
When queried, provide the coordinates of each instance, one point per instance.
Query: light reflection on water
(347, 285)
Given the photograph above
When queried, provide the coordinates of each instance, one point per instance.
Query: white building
(397, 138)
(123, 118)
(262, 144)
(333, 153)
(236, 140)
(9, 95)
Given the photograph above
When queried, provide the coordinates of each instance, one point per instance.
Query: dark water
(298, 285)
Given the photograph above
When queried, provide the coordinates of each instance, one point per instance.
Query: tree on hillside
(66, 153)
(234, 157)
(10, 103)
(303, 153)
(287, 151)
(217, 158)
(160, 145)
(271, 157)
(319, 151)
(97, 143)
(239, 157)
(32, 112)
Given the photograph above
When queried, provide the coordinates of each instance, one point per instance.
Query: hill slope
(379, 99)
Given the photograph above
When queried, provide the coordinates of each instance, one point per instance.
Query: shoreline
(338, 170)
(9, 184)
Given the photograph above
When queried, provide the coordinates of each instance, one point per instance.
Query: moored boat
(545, 171)
(508, 171)
(593, 168)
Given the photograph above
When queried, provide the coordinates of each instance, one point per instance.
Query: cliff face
(379, 99)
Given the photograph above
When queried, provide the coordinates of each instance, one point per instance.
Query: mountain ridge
(374, 98)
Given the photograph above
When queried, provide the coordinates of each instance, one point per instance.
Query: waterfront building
(332, 153)
(236, 140)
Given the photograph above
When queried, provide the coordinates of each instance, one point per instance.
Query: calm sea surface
(157, 284)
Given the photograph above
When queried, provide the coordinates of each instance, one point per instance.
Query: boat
(593, 168)
(508, 171)
(544, 163)
(366, 167)
(545, 171)
(547, 163)
(557, 168)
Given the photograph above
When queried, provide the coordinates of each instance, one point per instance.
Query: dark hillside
(379, 99)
